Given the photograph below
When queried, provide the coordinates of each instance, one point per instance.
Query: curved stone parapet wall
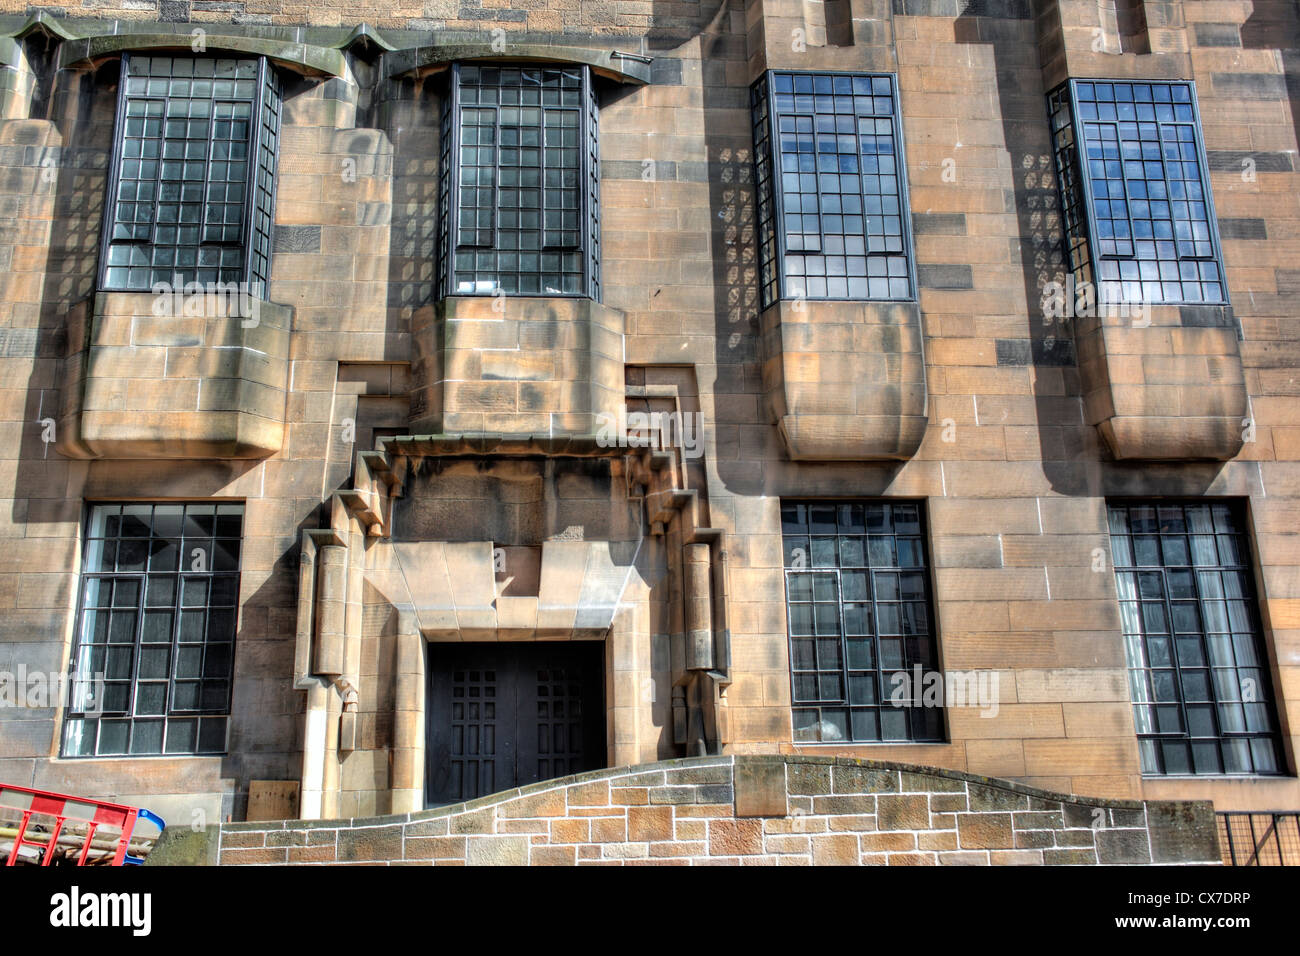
(743, 810)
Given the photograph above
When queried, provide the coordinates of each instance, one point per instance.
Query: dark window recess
(831, 187)
(151, 671)
(519, 184)
(858, 600)
(1136, 206)
(192, 191)
(1198, 675)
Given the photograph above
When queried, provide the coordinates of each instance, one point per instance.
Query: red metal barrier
(55, 828)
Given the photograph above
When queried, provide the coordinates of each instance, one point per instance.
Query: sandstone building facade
(410, 402)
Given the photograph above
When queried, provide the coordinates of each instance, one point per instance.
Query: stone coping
(594, 776)
(782, 809)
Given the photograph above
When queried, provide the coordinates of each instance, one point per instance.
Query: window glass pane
(151, 642)
(831, 205)
(857, 624)
(526, 176)
(194, 151)
(1201, 703)
(1137, 148)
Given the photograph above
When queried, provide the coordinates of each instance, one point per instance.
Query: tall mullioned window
(1138, 213)
(858, 605)
(155, 645)
(192, 186)
(520, 186)
(1198, 674)
(832, 188)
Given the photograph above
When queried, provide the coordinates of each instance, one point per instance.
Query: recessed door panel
(509, 714)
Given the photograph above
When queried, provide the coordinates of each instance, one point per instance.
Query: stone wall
(738, 811)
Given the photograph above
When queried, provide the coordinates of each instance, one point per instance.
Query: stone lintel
(439, 54)
(300, 57)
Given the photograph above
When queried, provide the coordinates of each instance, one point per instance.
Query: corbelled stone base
(1165, 383)
(507, 365)
(737, 810)
(185, 376)
(845, 381)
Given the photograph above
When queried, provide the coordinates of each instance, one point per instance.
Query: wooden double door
(507, 714)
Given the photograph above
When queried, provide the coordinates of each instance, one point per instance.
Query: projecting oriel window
(192, 180)
(153, 659)
(1138, 214)
(832, 188)
(1198, 674)
(519, 191)
(858, 601)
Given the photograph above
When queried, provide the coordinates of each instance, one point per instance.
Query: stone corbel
(369, 500)
(348, 718)
(204, 377)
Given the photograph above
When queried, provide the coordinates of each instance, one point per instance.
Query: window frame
(1084, 183)
(73, 712)
(1239, 513)
(266, 74)
(587, 186)
(774, 195)
(913, 714)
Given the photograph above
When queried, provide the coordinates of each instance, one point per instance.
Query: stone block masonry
(209, 382)
(1012, 433)
(744, 810)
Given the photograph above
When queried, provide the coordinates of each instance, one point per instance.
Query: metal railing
(1260, 839)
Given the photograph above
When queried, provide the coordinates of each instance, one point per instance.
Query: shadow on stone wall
(1275, 25)
(76, 107)
(674, 22)
(1069, 449)
(1075, 459)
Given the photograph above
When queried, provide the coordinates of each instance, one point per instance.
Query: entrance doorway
(508, 714)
